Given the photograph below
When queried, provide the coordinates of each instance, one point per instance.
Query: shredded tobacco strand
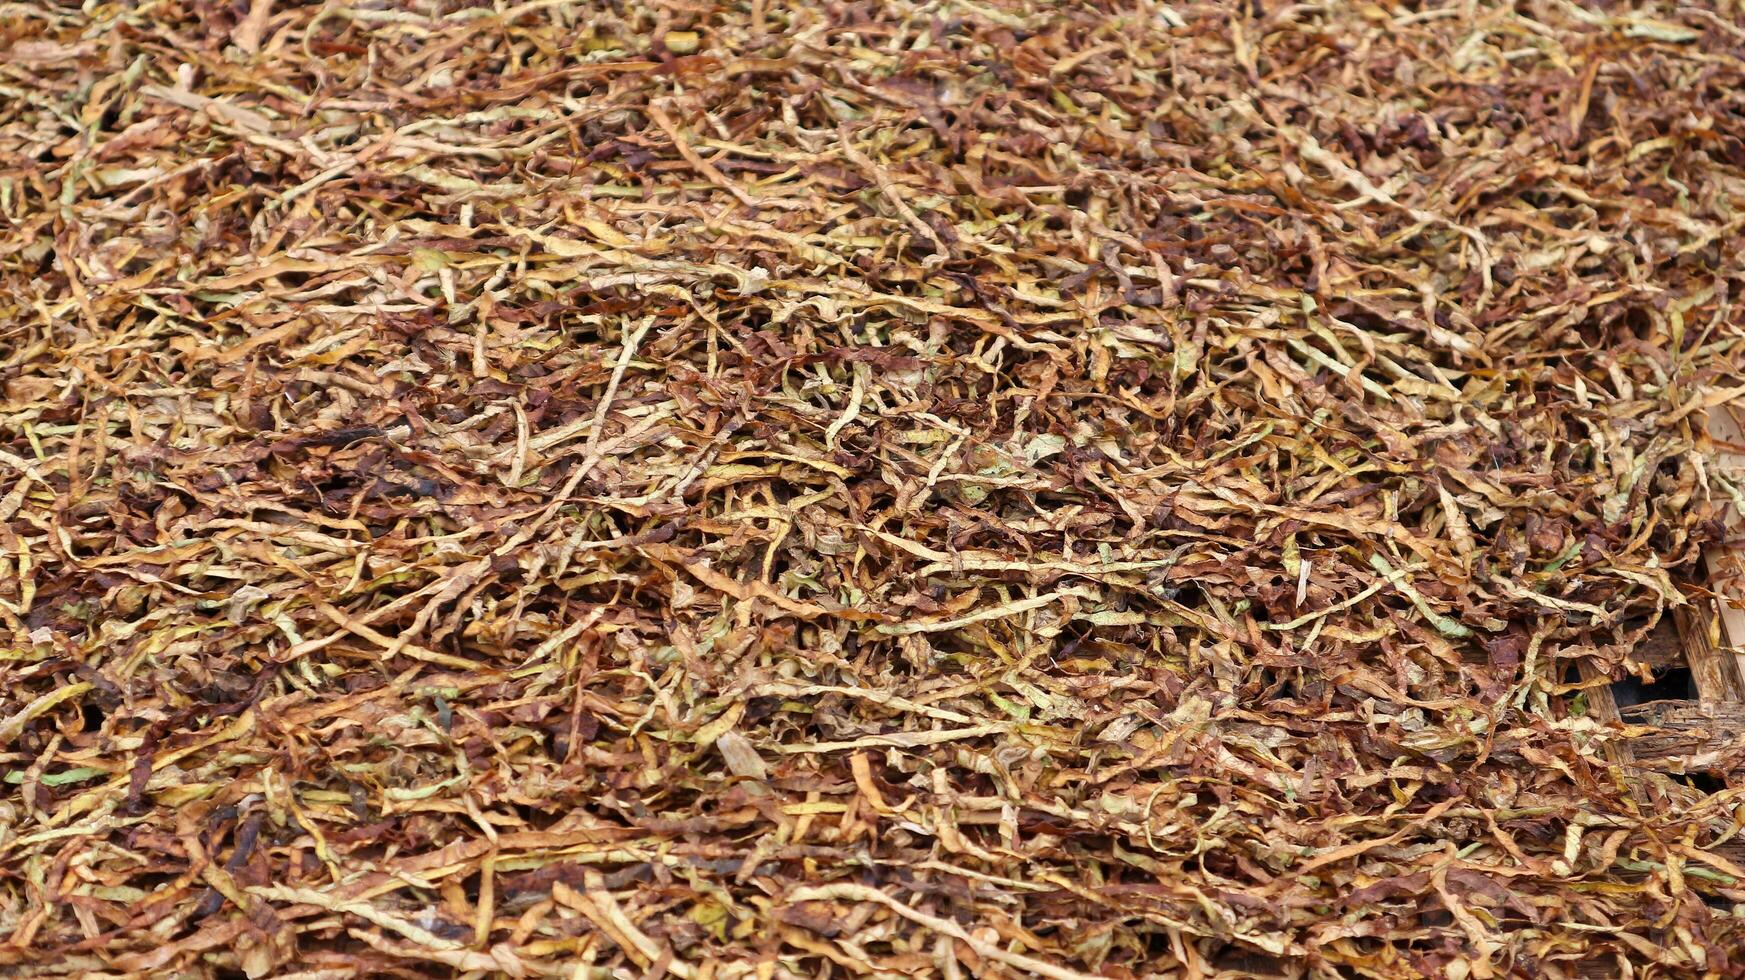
(904, 489)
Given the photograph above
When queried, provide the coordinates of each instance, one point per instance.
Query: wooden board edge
(1725, 565)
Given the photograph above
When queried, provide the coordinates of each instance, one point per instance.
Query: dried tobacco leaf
(788, 490)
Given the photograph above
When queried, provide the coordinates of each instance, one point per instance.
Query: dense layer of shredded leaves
(942, 489)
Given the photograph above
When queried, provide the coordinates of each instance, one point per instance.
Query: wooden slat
(1714, 668)
(1603, 707)
(1698, 733)
(1726, 566)
(1661, 648)
(1707, 638)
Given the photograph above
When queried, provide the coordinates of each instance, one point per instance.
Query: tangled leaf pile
(902, 489)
